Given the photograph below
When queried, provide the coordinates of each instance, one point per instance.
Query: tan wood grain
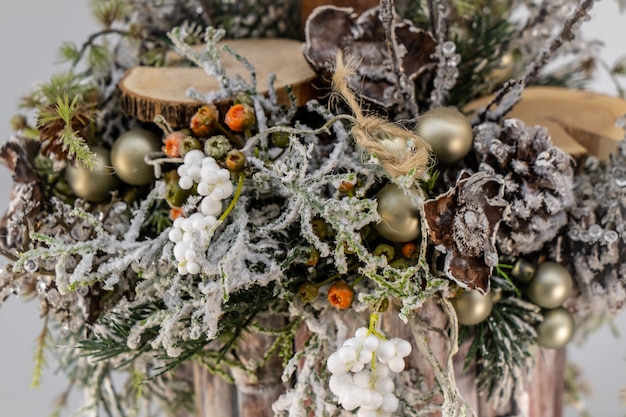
(149, 91)
(579, 122)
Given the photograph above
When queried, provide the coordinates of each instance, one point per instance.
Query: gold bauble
(128, 153)
(550, 286)
(472, 307)
(94, 185)
(399, 215)
(556, 329)
(447, 131)
(523, 271)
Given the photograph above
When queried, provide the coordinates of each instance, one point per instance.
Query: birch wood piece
(149, 91)
(579, 122)
(255, 395)
(546, 383)
(214, 395)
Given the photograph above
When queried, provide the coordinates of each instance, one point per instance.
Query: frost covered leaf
(463, 223)
(331, 29)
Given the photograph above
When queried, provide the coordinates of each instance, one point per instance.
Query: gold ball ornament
(447, 131)
(400, 220)
(556, 329)
(550, 286)
(128, 153)
(93, 185)
(523, 271)
(472, 307)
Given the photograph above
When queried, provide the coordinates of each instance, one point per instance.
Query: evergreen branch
(40, 356)
(502, 344)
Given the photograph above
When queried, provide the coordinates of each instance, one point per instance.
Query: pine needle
(40, 354)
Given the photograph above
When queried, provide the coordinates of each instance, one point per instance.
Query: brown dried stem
(567, 34)
(407, 88)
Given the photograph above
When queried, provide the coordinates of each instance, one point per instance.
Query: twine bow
(399, 150)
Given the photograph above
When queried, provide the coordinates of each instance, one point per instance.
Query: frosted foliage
(596, 234)
(538, 183)
(138, 293)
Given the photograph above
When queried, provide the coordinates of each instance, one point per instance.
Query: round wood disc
(579, 122)
(149, 91)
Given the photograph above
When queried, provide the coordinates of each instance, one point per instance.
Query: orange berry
(172, 144)
(240, 117)
(345, 187)
(175, 212)
(203, 122)
(409, 250)
(340, 295)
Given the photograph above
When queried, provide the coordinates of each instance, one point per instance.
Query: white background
(30, 33)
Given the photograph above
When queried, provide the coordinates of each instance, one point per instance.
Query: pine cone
(538, 181)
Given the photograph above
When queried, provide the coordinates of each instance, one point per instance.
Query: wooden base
(150, 91)
(579, 122)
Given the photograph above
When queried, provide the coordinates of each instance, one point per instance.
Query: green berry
(217, 147)
(399, 264)
(320, 228)
(308, 292)
(189, 143)
(174, 195)
(385, 250)
(382, 305)
(280, 139)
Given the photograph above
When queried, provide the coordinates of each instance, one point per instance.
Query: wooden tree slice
(148, 91)
(359, 6)
(579, 122)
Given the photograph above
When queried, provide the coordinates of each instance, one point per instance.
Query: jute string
(399, 150)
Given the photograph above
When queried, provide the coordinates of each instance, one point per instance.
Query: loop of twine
(399, 150)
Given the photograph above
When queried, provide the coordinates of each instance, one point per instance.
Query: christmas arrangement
(265, 208)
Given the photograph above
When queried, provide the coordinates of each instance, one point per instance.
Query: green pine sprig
(66, 111)
(502, 344)
(40, 354)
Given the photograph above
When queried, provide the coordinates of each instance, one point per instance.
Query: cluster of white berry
(213, 182)
(193, 233)
(189, 234)
(361, 373)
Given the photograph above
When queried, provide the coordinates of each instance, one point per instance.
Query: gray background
(30, 33)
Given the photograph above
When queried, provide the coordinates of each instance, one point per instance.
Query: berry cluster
(362, 373)
(193, 232)
(189, 233)
(213, 181)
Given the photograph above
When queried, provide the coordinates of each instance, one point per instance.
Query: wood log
(212, 393)
(579, 122)
(149, 91)
(255, 395)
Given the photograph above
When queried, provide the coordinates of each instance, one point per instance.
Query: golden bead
(128, 153)
(550, 286)
(523, 271)
(94, 185)
(472, 307)
(447, 131)
(556, 329)
(399, 215)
